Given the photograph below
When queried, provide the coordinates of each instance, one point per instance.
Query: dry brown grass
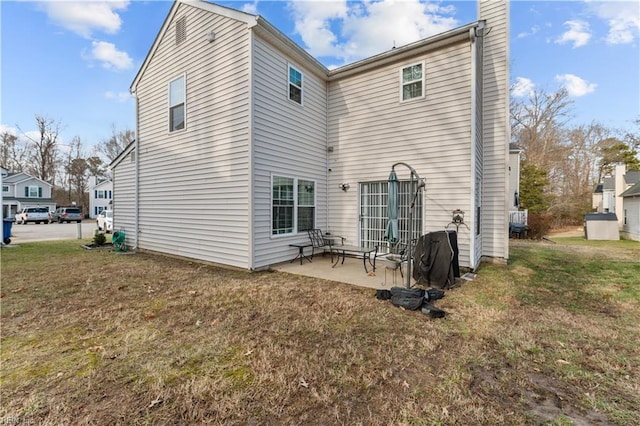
(92, 337)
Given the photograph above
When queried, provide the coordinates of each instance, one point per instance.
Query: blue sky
(74, 61)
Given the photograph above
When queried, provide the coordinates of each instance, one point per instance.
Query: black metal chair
(319, 241)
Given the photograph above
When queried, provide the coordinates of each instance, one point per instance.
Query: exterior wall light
(345, 186)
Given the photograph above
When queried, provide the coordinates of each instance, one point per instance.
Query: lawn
(95, 337)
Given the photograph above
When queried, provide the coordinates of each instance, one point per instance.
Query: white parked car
(33, 214)
(105, 221)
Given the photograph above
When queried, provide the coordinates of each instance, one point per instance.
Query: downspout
(136, 202)
(250, 212)
(474, 129)
(326, 157)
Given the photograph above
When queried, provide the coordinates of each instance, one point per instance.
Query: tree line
(68, 167)
(561, 163)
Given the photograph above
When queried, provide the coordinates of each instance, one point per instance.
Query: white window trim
(402, 84)
(295, 205)
(289, 66)
(37, 190)
(184, 76)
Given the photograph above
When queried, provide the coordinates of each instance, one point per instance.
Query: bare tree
(577, 172)
(77, 170)
(12, 152)
(44, 155)
(112, 147)
(537, 126)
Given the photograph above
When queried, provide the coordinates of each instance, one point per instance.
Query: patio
(351, 272)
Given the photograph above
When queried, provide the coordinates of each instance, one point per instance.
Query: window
(295, 85)
(176, 104)
(5, 188)
(282, 206)
(306, 204)
(293, 205)
(625, 216)
(412, 81)
(33, 191)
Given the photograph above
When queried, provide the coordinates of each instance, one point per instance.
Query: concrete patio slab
(351, 272)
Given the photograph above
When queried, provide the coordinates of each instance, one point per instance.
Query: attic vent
(181, 30)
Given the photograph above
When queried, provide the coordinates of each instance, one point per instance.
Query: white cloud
(578, 34)
(522, 87)
(534, 30)
(251, 8)
(85, 17)
(109, 56)
(313, 21)
(575, 85)
(367, 28)
(623, 18)
(8, 129)
(118, 96)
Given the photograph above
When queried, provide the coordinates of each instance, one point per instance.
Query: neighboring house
(607, 195)
(100, 196)
(631, 212)
(244, 140)
(20, 190)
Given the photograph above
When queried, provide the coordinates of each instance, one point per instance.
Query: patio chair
(394, 256)
(319, 241)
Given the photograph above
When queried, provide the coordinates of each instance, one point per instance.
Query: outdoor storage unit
(601, 226)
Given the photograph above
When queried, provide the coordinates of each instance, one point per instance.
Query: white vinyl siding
(370, 131)
(496, 131)
(124, 196)
(194, 184)
(288, 141)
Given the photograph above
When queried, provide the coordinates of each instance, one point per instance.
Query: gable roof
(250, 20)
(631, 177)
(103, 183)
(598, 189)
(609, 183)
(126, 151)
(20, 177)
(633, 191)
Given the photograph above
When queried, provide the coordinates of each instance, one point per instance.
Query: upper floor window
(5, 188)
(177, 95)
(33, 191)
(295, 85)
(412, 81)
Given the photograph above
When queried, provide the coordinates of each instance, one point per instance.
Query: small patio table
(301, 255)
(356, 251)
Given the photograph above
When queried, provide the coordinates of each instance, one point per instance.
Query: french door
(373, 212)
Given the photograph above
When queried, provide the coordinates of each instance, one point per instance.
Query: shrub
(99, 239)
(539, 225)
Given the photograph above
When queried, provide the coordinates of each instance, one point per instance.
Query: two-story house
(244, 140)
(100, 195)
(20, 190)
